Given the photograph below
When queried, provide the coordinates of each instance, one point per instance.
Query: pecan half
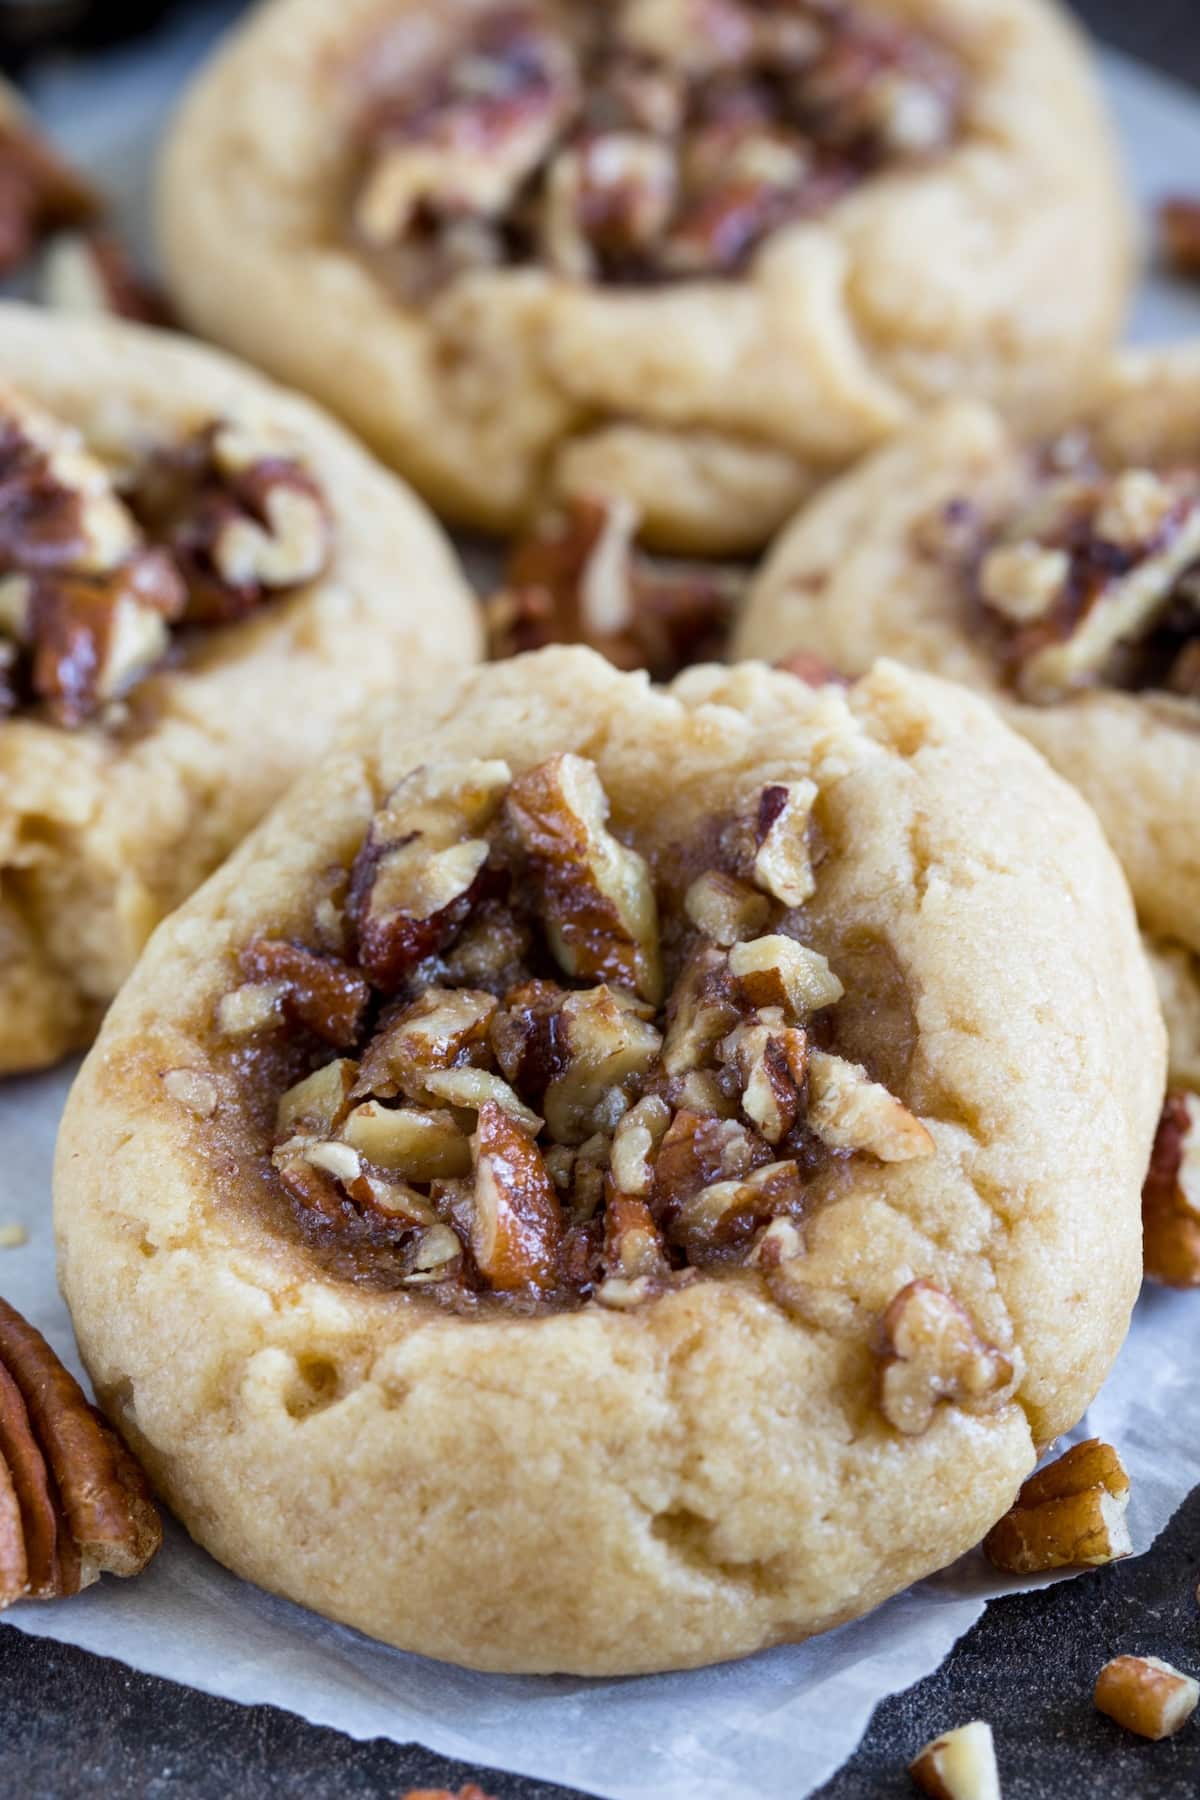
(1069, 1515)
(929, 1354)
(73, 1503)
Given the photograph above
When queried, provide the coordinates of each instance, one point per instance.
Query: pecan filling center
(1095, 582)
(99, 577)
(560, 1077)
(643, 141)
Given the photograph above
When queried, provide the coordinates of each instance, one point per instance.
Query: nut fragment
(597, 898)
(607, 1048)
(725, 909)
(1171, 1195)
(1145, 1695)
(1069, 1515)
(777, 971)
(411, 1142)
(517, 1229)
(849, 1111)
(1179, 224)
(930, 1353)
(73, 1503)
(782, 864)
(959, 1765)
(195, 1091)
(421, 869)
(321, 993)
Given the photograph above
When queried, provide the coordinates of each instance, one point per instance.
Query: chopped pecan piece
(608, 201)
(443, 1029)
(579, 579)
(316, 1106)
(771, 1063)
(1069, 1515)
(930, 1353)
(703, 1009)
(777, 971)
(321, 993)
(633, 1246)
(73, 1502)
(422, 869)
(1171, 1195)
(725, 909)
(517, 1231)
(462, 142)
(635, 1144)
(93, 273)
(1147, 1696)
(596, 896)
(697, 1152)
(416, 1144)
(608, 1050)
(39, 192)
(782, 862)
(849, 1111)
(1179, 225)
(242, 519)
(959, 1765)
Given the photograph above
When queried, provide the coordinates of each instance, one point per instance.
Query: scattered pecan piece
(1171, 1195)
(578, 578)
(73, 1503)
(322, 993)
(39, 192)
(444, 1029)
(782, 864)
(93, 273)
(517, 1231)
(1069, 1515)
(470, 1792)
(929, 1353)
(596, 896)
(1145, 1695)
(1179, 227)
(959, 1765)
(607, 1049)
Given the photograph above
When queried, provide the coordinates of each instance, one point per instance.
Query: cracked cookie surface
(699, 254)
(197, 590)
(416, 1120)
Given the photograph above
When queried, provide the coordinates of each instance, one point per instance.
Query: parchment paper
(777, 1725)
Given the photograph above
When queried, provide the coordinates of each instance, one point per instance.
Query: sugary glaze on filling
(1094, 580)
(564, 1073)
(104, 571)
(646, 140)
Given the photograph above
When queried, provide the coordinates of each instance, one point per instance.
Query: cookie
(636, 1175)
(695, 253)
(1063, 578)
(202, 580)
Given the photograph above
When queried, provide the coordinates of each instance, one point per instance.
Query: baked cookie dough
(201, 580)
(636, 1175)
(697, 253)
(1063, 577)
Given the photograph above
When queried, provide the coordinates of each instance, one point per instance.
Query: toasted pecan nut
(1070, 1514)
(930, 1353)
(39, 192)
(597, 896)
(1171, 1195)
(319, 992)
(517, 1231)
(73, 1503)
(959, 1765)
(1179, 226)
(1145, 1695)
(849, 1111)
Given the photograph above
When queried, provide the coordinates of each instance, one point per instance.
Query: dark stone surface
(74, 1725)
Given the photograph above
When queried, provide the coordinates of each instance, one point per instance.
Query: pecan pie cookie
(698, 253)
(1064, 578)
(635, 1174)
(201, 579)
